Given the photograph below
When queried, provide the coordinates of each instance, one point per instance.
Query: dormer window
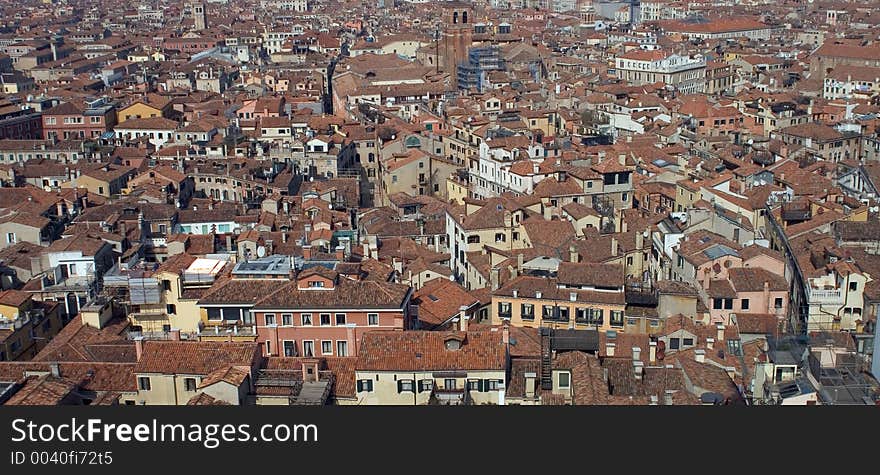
(316, 284)
(453, 342)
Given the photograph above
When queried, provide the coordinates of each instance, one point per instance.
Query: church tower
(199, 16)
(458, 19)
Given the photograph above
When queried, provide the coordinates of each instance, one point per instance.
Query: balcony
(824, 297)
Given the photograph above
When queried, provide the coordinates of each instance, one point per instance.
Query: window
(504, 309)
(341, 348)
(268, 347)
(499, 237)
(853, 286)
(316, 284)
(674, 343)
(744, 304)
(449, 383)
(564, 380)
(143, 383)
(340, 319)
(365, 385)
(325, 319)
(405, 386)
(270, 319)
(426, 385)
(10, 238)
(528, 311)
(680, 261)
(306, 319)
(289, 347)
(470, 239)
(777, 303)
(373, 319)
(326, 347)
(687, 342)
(616, 317)
(308, 348)
(717, 304)
(287, 319)
(189, 384)
(171, 309)
(166, 285)
(728, 304)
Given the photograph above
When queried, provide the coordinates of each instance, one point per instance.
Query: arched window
(454, 17)
(464, 17)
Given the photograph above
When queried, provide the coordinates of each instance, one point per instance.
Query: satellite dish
(261, 251)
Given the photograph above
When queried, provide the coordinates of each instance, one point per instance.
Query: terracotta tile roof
(752, 279)
(42, 391)
(589, 274)
(427, 351)
(198, 358)
(439, 300)
(203, 399)
(346, 294)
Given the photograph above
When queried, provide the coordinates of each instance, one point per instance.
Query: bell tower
(458, 19)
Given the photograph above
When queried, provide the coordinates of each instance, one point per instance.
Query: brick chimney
(174, 334)
(505, 333)
(307, 252)
(652, 352)
(767, 296)
(572, 253)
(462, 318)
(340, 253)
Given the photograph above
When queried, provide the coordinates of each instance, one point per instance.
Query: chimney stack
(767, 296)
(462, 318)
(520, 258)
(572, 253)
(494, 277)
(720, 336)
(637, 353)
(652, 352)
(340, 253)
(307, 252)
(700, 356)
(505, 333)
(614, 246)
(139, 347)
(55, 369)
(174, 334)
(710, 343)
(638, 369)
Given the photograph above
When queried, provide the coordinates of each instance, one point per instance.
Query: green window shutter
(360, 386)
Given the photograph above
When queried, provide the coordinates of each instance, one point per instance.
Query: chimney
(515, 293)
(706, 280)
(640, 240)
(228, 242)
(462, 318)
(340, 253)
(398, 322)
(652, 352)
(710, 343)
(307, 252)
(609, 349)
(572, 253)
(637, 353)
(520, 258)
(700, 356)
(720, 337)
(667, 397)
(767, 296)
(538, 294)
(614, 246)
(55, 369)
(624, 227)
(284, 237)
(638, 369)
(174, 334)
(139, 347)
(494, 276)
(505, 333)
(573, 296)
(531, 379)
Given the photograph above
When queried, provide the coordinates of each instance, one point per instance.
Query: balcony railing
(827, 297)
